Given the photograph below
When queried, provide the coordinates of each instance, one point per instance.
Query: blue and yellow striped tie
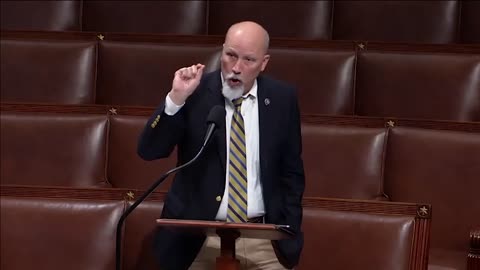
(237, 178)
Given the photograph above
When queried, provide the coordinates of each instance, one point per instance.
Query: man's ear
(265, 61)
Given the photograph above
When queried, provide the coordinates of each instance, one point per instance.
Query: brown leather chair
(53, 149)
(364, 235)
(75, 228)
(396, 21)
(294, 19)
(58, 233)
(343, 161)
(166, 17)
(125, 168)
(139, 230)
(142, 73)
(441, 168)
(50, 71)
(415, 84)
(324, 77)
(470, 23)
(41, 15)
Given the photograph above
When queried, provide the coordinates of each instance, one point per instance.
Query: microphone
(216, 116)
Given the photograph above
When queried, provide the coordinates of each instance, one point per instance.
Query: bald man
(252, 170)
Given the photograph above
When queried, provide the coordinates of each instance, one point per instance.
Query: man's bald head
(244, 56)
(251, 32)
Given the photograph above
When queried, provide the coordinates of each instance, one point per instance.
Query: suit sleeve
(293, 176)
(160, 134)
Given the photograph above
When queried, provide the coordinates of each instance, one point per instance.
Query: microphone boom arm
(214, 119)
(130, 209)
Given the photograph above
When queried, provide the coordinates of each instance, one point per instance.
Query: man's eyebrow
(230, 50)
(248, 55)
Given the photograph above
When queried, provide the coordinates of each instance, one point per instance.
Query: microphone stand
(142, 198)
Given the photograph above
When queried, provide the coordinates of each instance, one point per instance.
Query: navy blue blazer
(194, 191)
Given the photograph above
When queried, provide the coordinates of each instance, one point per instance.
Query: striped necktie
(237, 178)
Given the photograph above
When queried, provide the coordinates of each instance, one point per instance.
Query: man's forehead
(240, 50)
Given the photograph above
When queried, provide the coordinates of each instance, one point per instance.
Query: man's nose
(236, 68)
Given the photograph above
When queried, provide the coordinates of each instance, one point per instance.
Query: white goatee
(229, 92)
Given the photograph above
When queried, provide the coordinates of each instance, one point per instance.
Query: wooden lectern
(228, 233)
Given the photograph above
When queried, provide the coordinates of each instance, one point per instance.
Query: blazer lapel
(265, 122)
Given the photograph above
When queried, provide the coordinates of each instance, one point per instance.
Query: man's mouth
(235, 80)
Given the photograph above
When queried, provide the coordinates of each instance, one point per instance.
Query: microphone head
(216, 115)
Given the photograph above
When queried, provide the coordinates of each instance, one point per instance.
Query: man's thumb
(200, 69)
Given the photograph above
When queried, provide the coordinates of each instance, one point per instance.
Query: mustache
(232, 75)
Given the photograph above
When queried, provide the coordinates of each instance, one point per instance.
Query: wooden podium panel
(228, 233)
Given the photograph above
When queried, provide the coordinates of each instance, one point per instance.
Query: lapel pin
(267, 101)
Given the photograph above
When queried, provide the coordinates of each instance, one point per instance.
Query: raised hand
(185, 82)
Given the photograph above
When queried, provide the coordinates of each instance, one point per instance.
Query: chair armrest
(473, 258)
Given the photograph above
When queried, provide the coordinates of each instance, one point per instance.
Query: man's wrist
(170, 107)
(179, 101)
